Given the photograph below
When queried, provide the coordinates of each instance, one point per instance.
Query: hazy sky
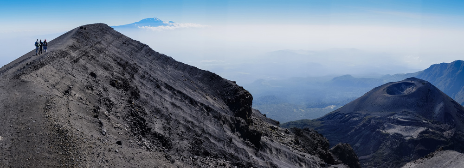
(339, 37)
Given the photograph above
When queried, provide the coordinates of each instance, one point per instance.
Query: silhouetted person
(36, 46)
(40, 47)
(45, 45)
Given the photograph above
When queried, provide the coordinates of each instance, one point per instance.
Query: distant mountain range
(394, 123)
(448, 77)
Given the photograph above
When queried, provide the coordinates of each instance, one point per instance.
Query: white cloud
(212, 61)
(401, 14)
(172, 26)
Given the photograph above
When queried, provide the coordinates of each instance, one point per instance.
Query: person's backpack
(36, 44)
(45, 44)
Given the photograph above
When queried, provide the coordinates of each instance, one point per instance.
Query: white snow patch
(449, 133)
(172, 26)
(399, 118)
(438, 108)
(406, 131)
(330, 107)
(355, 119)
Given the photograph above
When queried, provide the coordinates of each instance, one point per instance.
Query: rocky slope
(100, 99)
(394, 123)
(439, 159)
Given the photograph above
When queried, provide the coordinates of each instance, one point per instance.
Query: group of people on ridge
(39, 46)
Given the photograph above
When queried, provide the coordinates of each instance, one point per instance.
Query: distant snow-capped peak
(149, 22)
(157, 25)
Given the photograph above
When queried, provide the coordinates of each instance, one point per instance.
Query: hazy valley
(312, 97)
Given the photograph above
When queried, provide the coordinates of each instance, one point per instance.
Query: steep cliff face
(395, 123)
(99, 98)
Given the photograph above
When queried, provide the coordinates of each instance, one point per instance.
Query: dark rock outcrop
(395, 123)
(100, 99)
(313, 143)
(346, 154)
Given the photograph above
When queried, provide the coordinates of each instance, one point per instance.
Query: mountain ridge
(449, 77)
(98, 98)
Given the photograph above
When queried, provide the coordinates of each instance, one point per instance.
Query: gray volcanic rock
(100, 99)
(394, 123)
(439, 159)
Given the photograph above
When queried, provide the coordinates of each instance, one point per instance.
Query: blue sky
(68, 14)
(407, 35)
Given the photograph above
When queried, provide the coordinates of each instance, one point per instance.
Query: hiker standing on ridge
(41, 47)
(36, 46)
(45, 45)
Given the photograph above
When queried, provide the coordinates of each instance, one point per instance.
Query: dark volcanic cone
(101, 99)
(394, 123)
